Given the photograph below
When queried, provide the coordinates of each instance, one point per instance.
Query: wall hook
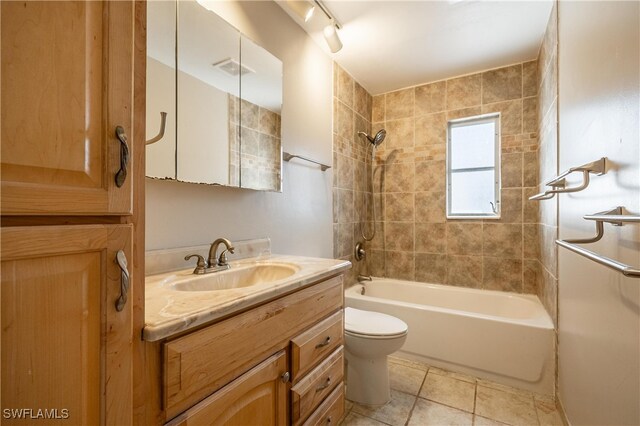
(163, 122)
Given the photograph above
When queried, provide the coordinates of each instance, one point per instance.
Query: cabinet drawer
(310, 347)
(315, 386)
(330, 411)
(202, 362)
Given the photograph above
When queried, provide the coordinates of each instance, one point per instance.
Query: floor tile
(506, 407)
(405, 379)
(395, 412)
(483, 421)
(348, 405)
(449, 391)
(459, 376)
(548, 414)
(505, 388)
(427, 413)
(354, 419)
(409, 363)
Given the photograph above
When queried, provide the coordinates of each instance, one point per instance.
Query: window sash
(488, 118)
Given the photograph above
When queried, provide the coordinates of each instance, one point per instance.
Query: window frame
(476, 119)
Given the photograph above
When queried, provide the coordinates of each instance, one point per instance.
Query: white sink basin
(235, 277)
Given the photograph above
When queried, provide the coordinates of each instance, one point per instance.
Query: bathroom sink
(238, 276)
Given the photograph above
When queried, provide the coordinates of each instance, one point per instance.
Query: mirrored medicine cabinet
(222, 93)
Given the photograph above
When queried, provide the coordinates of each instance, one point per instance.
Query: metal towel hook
(163, 122)
(598, 167)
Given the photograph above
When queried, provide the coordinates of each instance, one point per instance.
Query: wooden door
(65, 346)
(258, 397)
(66, 84)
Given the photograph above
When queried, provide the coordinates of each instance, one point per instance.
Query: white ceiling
(389, 45)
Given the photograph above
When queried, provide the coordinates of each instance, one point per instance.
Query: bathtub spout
(364, 278)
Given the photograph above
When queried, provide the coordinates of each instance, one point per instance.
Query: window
(473, 167)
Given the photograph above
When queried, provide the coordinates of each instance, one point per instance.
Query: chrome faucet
(222, 259)
(213, 264)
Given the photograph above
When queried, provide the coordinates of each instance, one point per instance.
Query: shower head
(377, 139)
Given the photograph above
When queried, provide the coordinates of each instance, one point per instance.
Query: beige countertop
(169, 311)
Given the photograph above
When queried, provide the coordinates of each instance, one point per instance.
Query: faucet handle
(222, 259)
(201, 266)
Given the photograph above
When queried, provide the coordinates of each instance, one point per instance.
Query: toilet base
(367, 380)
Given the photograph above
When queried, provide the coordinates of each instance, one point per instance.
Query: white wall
(599, 309)
(298, 220)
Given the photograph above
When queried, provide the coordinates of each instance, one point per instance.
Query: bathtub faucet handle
(359, 252)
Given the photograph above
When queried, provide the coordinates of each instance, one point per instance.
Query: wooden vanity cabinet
(72, 72)
(65, 345)
(273, 364)
(67, 72)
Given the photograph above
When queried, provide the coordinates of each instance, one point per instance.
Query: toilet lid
(372, 323)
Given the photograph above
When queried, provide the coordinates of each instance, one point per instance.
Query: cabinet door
(66, 83)
(65, 346)
(258, 397)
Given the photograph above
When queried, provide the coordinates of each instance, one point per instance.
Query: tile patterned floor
(424, 396)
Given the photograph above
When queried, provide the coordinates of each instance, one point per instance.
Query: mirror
(208, 80)
(161, 88)
(260, 119)
(227, 97)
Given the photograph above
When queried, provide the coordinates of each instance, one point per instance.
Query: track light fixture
(330, 31)
(304, 9)
(331, 36)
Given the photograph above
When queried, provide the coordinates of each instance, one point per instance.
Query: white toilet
(369, 338)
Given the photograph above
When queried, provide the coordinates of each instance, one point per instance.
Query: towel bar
(286, 157)
(616, 218)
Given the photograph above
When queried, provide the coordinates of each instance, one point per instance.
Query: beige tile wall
(416, 241)
(259, 156)
(351, 114)
(545, 270)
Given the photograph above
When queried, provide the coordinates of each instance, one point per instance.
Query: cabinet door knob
(324, 343)
(121, 176)
(121, 260)
(285, 377)
(329, 420)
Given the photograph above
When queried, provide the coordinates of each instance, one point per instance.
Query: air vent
(232, 67)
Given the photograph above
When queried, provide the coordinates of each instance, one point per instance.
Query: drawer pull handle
(326, 384)
(325, 343)
(121, 176)
(329, 420)
(121, 260)
(285, 377)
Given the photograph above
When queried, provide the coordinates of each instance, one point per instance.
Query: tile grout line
(535, 409)
(475, 398)
(415, 401)
(475, 386)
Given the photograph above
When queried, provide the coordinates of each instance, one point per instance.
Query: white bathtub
(504, 337)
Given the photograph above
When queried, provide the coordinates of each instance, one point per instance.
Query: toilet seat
(373, 325)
